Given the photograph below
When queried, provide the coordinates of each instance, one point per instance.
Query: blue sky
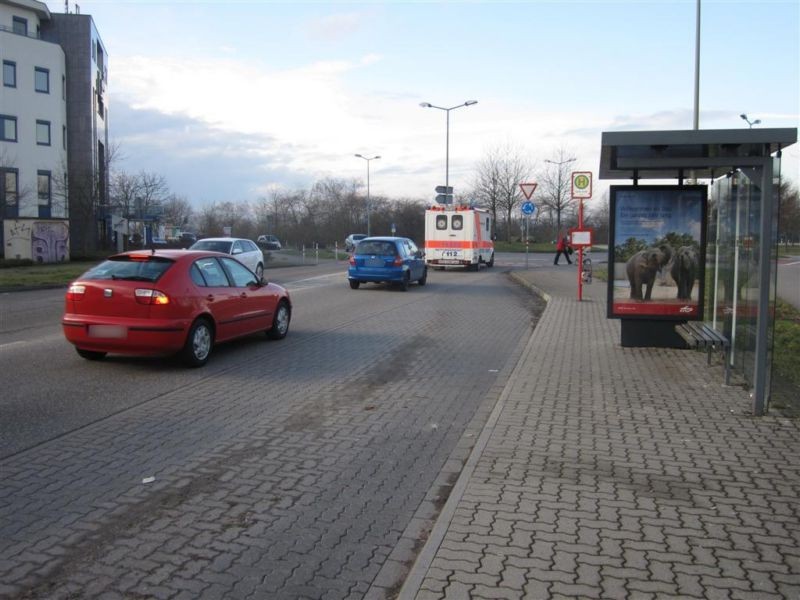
(232, 99)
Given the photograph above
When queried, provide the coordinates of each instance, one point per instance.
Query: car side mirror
(419, 254)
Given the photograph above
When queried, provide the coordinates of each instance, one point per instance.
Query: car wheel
(90, 354)
(280, 323)
(198, 344)
(406, 281)
(260, 271)
(354, 284)
(424, 279)
(490, 264)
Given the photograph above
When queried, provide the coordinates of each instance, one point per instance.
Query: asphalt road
(283, 469)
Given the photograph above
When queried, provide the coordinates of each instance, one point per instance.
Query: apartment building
(53, 132)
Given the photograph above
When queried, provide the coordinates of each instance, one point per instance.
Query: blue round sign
(528, 208)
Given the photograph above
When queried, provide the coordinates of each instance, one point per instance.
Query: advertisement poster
(656, 253)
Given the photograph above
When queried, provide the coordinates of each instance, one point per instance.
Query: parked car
(351, 240)
(187, 238)
(270, 242)
(156, 302)
(245, 251)
(390, 259)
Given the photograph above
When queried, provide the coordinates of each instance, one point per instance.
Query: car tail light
(76, 292)
(398, 261)
(147, 296)
(352, 261)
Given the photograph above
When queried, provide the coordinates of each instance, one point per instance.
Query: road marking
(791, 264)
(38, 340)
(311, 282)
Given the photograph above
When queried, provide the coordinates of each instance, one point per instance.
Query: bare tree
(13, 192)
(124, 191)
(152, 190)
(177, 211)
(487, 183)
(497, 181)
(554, 186)
(789, 213)
(599, 218)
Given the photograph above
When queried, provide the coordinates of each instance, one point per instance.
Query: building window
(8, 128)
(20, 26)
(9, 73)
(9, 192)
(43, 133)
(42, 80)
(45, 194)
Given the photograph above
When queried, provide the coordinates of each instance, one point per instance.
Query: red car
(155, 302)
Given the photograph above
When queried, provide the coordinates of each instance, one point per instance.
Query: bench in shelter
(700, 335)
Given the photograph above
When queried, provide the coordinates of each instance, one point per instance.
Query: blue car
(390, 259)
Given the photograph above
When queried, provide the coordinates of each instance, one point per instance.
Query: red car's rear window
(130, 268)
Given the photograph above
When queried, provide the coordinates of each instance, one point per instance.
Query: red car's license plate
(107, 331)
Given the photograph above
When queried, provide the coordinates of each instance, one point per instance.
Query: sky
(234, 99)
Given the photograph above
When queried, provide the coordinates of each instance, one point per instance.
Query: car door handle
(210, 297)
(243, 295)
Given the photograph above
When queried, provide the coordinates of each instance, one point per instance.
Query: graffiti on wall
(49, 242)
(39, 241)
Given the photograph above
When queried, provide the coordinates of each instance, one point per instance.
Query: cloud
(201, 161)
(335, 27)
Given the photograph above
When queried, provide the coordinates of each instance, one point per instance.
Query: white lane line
(12, 344)
(791, 264)
(329, 275)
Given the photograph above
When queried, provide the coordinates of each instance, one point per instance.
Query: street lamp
(749, 122)
(368, 201)
(447, 144)
(558, 204)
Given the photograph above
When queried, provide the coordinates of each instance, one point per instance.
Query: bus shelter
(741, 170)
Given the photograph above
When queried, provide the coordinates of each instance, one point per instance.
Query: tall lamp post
(558, 204)
(369, 206)
(749, 122)
(447, 143)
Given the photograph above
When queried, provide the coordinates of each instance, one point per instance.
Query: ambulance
(458, 236)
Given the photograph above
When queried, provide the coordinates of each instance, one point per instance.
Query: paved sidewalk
(610, 472)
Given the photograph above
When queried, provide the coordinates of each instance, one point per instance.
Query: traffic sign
(527, 189)
(444, 198)
(440, 189)
(528, 208)
(581, 184)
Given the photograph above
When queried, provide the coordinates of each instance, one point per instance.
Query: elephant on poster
(643, 267)
(684, 270)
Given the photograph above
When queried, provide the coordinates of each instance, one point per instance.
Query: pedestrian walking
(563, 247)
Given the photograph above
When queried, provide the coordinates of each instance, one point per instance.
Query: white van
(458, 236)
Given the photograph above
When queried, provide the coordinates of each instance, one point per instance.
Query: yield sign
(527, 189)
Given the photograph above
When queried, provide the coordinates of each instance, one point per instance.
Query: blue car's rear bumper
(375, 274)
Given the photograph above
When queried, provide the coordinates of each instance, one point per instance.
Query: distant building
(53, 133)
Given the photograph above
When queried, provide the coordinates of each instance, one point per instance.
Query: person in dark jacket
(562, 248)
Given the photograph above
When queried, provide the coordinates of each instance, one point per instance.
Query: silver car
(351, 240)
(245, 251)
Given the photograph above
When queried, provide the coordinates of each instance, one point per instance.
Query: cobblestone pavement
(294, 478)
(610, 472)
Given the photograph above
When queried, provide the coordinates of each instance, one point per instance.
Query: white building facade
(33, 136)
(54, 147)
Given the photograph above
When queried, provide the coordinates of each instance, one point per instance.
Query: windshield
(129, 268)
(213, 246)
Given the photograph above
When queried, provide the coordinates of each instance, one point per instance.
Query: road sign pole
(580, 254)
(527, 225)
